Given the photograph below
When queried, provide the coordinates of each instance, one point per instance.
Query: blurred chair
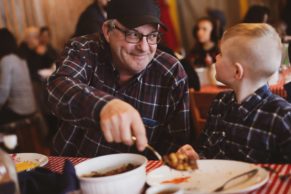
(199, 107)
(30, 131)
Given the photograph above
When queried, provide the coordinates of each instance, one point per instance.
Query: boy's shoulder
(222, 100)
(272, 104)
(224, 97)
(277, 104)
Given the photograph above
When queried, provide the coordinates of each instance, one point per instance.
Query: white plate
(39, 159)
(210, 175)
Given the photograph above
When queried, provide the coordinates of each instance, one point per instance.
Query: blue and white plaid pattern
(257, 130)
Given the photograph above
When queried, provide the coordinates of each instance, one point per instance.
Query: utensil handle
(150, 148)
(249, 173)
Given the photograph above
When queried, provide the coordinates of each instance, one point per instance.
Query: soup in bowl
(111, 174)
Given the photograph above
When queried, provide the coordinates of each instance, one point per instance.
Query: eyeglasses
(132, 36)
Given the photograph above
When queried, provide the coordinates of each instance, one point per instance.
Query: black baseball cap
(134, 13)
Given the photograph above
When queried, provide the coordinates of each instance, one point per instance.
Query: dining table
(274, 185)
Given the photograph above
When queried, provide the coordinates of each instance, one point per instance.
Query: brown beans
(180, 161)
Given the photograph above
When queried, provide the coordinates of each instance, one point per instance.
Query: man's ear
(106, 29)
(239, 71)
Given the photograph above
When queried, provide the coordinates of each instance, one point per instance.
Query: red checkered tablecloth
(274, 185)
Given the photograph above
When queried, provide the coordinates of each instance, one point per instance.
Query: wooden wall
(60, 15)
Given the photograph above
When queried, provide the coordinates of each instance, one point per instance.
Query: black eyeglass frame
(140, 35)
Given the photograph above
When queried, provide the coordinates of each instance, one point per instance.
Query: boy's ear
(239, 71)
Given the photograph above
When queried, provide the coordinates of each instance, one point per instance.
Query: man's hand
(189, 151)
(120, 121)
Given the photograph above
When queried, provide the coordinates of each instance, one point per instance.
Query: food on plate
(25, 165)
(122, 169)
(180, 161)
(177, 180)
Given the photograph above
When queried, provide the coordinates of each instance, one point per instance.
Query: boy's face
(225, 69)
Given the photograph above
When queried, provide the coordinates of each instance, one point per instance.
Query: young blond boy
(250, 123)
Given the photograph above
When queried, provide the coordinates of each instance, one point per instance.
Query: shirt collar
(251, 102)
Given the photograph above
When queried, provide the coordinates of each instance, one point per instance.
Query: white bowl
(131, 182)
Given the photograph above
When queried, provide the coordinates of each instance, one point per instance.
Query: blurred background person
(206, 43)
(48, 56)
(45, 49)
(16, 92)
(257, 14)
(27, 51)
(92, 18)
(35, 52)
(281, 28)
(286, 16)
(219, 19)
(287, 85)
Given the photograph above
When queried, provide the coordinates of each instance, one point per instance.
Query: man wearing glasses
(115, 85)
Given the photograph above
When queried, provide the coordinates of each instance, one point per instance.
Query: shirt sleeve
(5, 80)
(70, 96)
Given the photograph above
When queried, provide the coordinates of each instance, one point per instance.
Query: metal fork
(156, 153)
(250, 174)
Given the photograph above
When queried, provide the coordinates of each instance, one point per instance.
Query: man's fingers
(105, 126)
(139, 132)
(115, 123)
(124, 122)
(125, 131)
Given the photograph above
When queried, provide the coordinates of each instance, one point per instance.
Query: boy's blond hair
(256, 46)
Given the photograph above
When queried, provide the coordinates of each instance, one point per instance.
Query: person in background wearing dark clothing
(37, 51)
(205, 47)
(45, 49)
(287, 86)
(257, 14)
(48, 56)
(92, 18)
(193, 79)
(16, 93)
(286, 16)
(37, 57)
(27, 51)
(219, 19)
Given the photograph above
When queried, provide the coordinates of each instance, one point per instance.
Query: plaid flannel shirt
(257, 130)
(86, 80)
